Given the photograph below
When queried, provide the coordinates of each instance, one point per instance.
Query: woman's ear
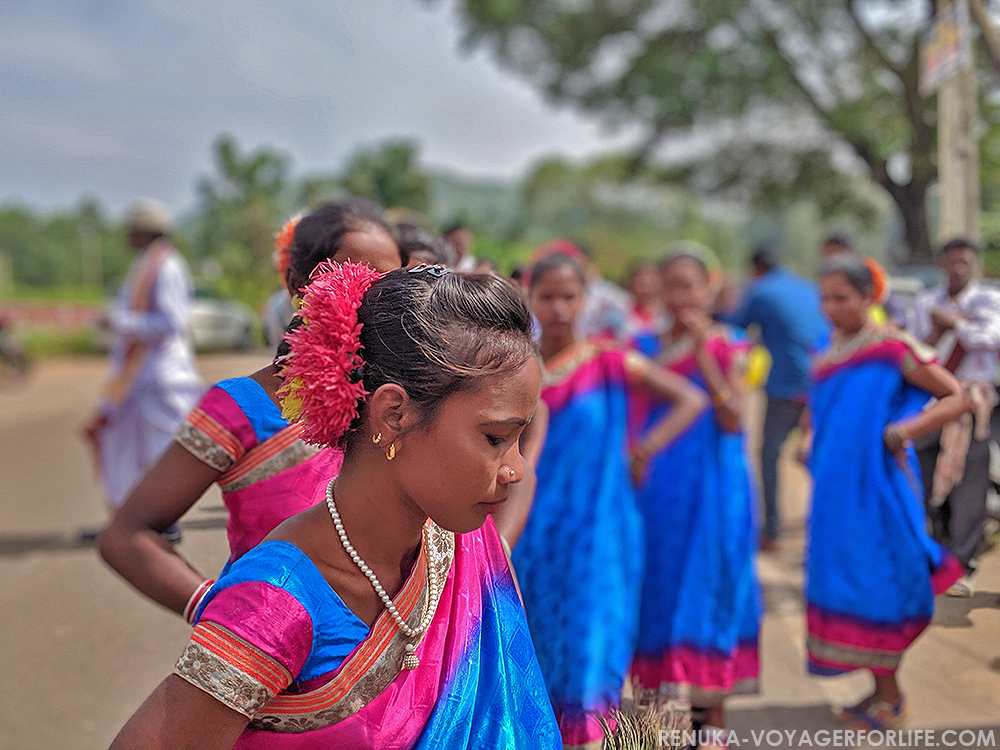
(294, 282)
(390, 411)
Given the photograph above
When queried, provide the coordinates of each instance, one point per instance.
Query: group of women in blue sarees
(637, 561)
(656, 556)
(679, 612)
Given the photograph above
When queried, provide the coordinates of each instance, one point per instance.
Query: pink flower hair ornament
(321, 387)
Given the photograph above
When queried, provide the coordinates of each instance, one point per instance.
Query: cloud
(58, 51)
(130, 96)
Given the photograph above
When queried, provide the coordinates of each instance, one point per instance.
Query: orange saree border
(235, 651)
(262, 453)
(224, 438)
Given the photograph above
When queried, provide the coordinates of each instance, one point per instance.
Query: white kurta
(167, 387)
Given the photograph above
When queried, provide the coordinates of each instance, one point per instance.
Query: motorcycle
(15, 363)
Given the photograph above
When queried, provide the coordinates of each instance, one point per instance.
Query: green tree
(66, 248)
(19, 240)
(390, 175)
(621, 215)
(781, 96)
(241, 208)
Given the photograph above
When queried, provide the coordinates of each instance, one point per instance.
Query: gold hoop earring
(391, 453)
(376, 439)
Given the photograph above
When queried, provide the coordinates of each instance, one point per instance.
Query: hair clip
(437, 270)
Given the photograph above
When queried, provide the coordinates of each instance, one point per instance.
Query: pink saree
(270, 474)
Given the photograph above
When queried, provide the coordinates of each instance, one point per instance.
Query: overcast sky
(123, 99)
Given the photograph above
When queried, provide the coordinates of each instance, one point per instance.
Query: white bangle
(191, 608)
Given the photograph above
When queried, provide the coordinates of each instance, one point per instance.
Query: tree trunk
(911, 199)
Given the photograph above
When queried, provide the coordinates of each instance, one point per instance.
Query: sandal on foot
(882, 715)
(962, 588)
(851, 713)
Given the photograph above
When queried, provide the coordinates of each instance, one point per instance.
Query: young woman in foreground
(872, 568)
(386, 617)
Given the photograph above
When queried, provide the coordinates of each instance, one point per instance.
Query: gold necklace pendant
(410, 660)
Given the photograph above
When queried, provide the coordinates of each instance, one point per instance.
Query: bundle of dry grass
(648, 727)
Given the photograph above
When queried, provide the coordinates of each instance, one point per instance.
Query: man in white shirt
(961, 319)
(154, 380)
(459, 237)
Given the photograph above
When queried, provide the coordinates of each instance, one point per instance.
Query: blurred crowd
(634, 516)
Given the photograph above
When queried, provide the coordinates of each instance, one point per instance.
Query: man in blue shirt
(786, 308)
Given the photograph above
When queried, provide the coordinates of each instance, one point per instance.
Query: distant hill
(492, 206)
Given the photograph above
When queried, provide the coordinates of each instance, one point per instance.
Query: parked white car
(218, 323)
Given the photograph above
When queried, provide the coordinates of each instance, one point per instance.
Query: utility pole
(958, 141)
(91, 262)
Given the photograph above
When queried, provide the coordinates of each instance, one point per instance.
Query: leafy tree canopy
(390, 175)
(773, 97)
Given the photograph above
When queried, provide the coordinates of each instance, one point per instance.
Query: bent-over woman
(387, 616)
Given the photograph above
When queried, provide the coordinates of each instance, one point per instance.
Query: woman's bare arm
(179, 716)
(133, 545)
(725, 388)
(951, 402)
(687, 402)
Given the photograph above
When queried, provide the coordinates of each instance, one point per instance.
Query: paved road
(80, 649)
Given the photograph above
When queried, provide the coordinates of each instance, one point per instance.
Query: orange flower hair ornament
(322, 372)
(283, 245)
(880, 284)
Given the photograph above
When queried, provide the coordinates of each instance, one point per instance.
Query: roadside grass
(44, 341)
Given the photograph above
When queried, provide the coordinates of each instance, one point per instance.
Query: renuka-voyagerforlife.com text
(918, 738)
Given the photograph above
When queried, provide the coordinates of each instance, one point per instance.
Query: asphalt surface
(80, 649)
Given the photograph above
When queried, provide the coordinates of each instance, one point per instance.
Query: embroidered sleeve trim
(223, 681)
(209, 441)
(636, 365)
(918, 353)
(202, 447)
(741, 358)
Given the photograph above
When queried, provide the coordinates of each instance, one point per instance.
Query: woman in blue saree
(872, 569)
(579, 560)
(700, 595)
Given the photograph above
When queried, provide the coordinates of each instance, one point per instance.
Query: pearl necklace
(410, 660)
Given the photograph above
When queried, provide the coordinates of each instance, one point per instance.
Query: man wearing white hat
(154, 382)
